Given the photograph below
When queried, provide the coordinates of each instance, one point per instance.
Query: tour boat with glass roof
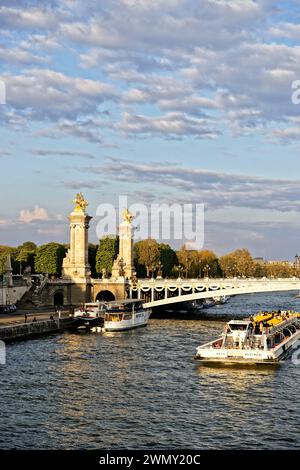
(267, 338)
(113, 316)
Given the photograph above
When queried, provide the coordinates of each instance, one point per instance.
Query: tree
(228, 265)
(4, 251)
(245, 264)
(147, 254)
(106, 253)
(29, 246)
(22, 257)
(140, 269)
(185, 258)
(92, 252)
(198, 263)
(168, 258)
(49, 258)
(279, 269)
(207, 263)
(25, 254)
(238, 263)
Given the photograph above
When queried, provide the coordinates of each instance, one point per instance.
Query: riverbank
(14, 328)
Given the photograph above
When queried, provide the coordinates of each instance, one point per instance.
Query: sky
(165, 101)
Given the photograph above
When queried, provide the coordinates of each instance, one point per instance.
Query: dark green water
(141, 389)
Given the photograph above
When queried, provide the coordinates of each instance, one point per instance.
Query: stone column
(75, 264)
(126, 243)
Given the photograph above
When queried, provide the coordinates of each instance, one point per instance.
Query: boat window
(127, 316)
(114, 317)
(239, 327)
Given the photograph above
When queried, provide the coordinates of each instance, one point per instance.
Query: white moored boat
(267, 338)
(125, 315)
(114, 316)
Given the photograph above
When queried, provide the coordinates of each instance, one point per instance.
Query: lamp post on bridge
(159, 269)
(234, 270)
(180, 269)
(200, 270)
(153, 268)
(296, 265)
(207, 269)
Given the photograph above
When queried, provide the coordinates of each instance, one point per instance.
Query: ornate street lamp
(296, 265)
(200, 270)
(153, 267)
(159, 270)
(180, 269)
(207, 269)
(234, 270)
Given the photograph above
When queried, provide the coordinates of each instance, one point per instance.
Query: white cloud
(60, 153)
(89, 130)
(216, 189)
(170, 125)
(20, 56)
(27, 18)
(46, 94)
(228, 58)
(38, 213)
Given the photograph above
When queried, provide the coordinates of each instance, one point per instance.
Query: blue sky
(162, 100)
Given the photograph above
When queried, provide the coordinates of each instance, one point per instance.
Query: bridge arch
(105, 296)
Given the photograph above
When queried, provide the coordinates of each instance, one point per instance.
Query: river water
(142, 389)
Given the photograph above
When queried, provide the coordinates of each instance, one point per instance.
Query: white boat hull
(138, 320)
(248, 356)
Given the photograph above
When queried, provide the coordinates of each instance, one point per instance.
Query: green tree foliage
(49, 258)
(168, 258)
(29, 246)
(147, 255)
(106, 253)
(260, 269)
(25, 255)
(140, 269)
(4, 251)
(92, 252)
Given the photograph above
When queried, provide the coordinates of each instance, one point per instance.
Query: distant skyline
(162, 101)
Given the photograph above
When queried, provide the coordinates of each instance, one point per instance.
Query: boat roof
(113, 302)
(239, 322)
(123, 302)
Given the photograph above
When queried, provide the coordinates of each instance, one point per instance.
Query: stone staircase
(32, 298)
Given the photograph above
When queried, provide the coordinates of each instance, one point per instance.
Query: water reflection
(239, 377)
(142, 389)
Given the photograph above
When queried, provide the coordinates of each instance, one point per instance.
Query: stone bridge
(159, 292)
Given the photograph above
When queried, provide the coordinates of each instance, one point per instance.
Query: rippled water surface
(141, 389)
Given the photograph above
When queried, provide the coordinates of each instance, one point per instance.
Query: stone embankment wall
(32, 329)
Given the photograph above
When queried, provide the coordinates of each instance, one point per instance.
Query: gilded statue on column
(127, 216)
(80, 203)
